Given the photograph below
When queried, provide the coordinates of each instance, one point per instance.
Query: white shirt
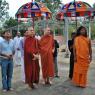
(17, 42)
(21, 46)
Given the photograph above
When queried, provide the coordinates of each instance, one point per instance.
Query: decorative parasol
(75, 9)
(34, 10)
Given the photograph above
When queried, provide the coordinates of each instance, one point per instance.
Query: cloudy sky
(15, 4)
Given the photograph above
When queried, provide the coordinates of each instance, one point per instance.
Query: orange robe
(81, 66)
(46, 47)
(31, 66)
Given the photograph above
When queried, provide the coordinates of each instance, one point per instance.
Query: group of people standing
(31, 48)
(45, 48)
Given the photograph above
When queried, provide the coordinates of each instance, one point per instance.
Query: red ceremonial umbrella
(75, 9)
(33, 10)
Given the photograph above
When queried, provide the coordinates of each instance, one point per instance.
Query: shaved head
(31, 31)
(47, 31)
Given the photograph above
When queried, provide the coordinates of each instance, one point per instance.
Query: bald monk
(31, 59)
(46, 51)
(82, 57)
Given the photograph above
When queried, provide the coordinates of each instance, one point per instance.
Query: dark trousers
(56, 66)
(71, 66)
(7, 71)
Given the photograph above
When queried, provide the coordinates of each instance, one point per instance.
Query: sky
(14, 5)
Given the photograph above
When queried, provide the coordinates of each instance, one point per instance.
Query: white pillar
(66, 31)
(66, 36)
(89, 29)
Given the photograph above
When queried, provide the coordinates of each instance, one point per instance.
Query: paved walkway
(61, 86)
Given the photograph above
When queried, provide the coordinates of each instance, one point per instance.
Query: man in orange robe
(83, 57)
(46, 50)
(30, 59)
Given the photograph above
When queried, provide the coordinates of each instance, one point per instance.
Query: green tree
(10, 23)
(1, 31)
(4, 6)
(53, 5)
(94, 5)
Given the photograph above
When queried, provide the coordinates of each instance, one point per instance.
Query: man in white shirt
(21, 47)
(17, 56)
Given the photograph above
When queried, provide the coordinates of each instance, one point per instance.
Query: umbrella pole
(33, 22)
(47, 22)
(76, 14)
(76, 23)
(18, 27)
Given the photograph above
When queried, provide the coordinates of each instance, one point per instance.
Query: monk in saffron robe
(83, 57)
(30, 59)
(46, 50)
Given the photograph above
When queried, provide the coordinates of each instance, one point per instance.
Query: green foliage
(94, 5)
(53, 5)
(93, 30)
(10, 23)
(4, 6)
(1, 31)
